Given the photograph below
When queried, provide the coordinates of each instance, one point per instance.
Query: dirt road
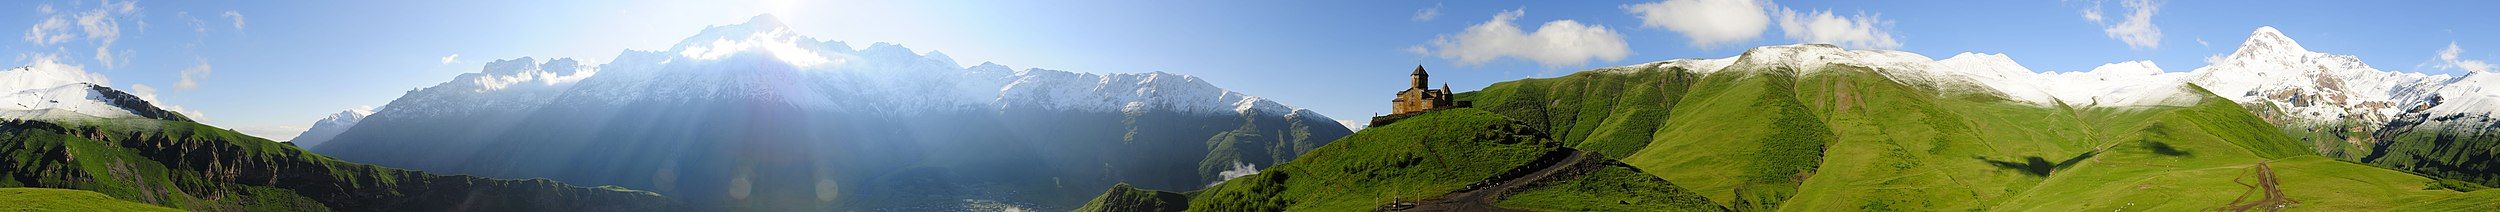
(1482, 199)
(2272, 197)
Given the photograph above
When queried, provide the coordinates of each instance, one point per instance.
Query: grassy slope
(1422, 157)
(104, 167)
(1610, 190)
(1610, 113)
(1122, 197)
(199, 167)
(1396, 162)
(2471, 155)
(46, 199)
(1897, 146)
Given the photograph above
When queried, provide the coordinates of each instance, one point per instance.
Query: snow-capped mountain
(2125, 84)
(329, 127)
(47, 90)
(2269, 69)
(2439, 125)
(2312, 88)
(756, 103)
(503, 85)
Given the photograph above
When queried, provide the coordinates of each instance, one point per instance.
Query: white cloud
(102, 25)
(144, 91)
(197, 25)
(236, 16)
(1239, 169)
(1427, 14)
(52, 30)
(1706, 23)
(148, 93)
(191, 77)
(2135, 28)
(1351, 124)
(2201, 42)
(2092, 13)
(1856, 31)
(454, 57)
(280, 132)
(1557, 43)
(2449, 59)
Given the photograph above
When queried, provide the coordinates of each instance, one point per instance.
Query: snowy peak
(2267, 42)
(2128, 69)
(2312, 87)
(350, 116)
(524, 72)
(765, 60)
(322, 131)
(1128, 93)
(47, 74)
(47, 90)
(1806, 58)
(764, 36)
(1988, 64)
(2125, 84)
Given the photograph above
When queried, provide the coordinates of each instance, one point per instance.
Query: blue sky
(272, 68)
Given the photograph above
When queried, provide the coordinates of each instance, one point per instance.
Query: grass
(1420, 157)
(47, 199)
(2470, 155)
(1614, 189)
(1849, 138)
(1123, 197)
(1612, 112)
(197, 167)
(1431, 155)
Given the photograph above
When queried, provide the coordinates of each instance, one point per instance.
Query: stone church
(1419, 97)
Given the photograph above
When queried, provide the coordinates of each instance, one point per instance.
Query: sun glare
(783, 8)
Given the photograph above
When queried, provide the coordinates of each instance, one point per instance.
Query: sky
(271, 68)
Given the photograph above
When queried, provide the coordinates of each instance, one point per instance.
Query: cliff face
(197, 167)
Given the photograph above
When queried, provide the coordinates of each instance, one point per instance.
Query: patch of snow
(48, 90)
(1239, 169)
(2131, 83)
(764, 60)
(330, 127)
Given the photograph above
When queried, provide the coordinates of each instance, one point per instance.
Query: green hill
(1456, 159)
(1848, 138)
(2467, 153)
(46, 199)
(1123, 197)
(1841, 138)
(191, 166)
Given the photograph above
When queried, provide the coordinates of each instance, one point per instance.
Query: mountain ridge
(890, 126)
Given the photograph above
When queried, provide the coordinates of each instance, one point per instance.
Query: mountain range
(63, 129)
(752, 116)
(734, 114)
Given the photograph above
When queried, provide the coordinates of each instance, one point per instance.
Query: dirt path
(2273, 199)
(1482, 199)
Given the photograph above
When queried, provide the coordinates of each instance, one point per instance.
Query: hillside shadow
(2038, 166)
(2161, 130)
(2165, 149)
